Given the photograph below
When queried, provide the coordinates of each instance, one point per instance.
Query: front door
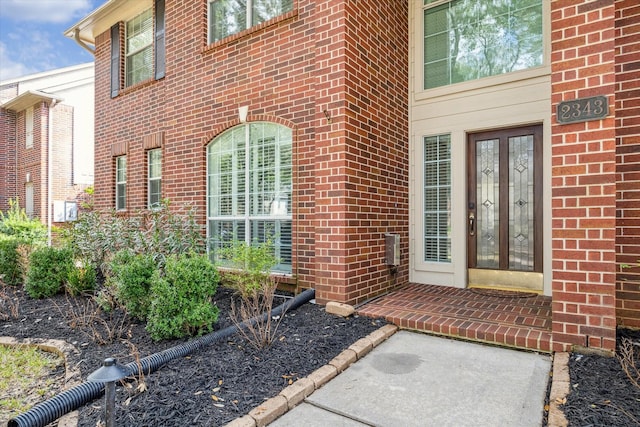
(504, 209)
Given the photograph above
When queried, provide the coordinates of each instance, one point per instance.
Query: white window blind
(154, 185)
(249, 180)
(121, 182)
(437, 198)
(29, 127)
(471, 39)
(139, 48)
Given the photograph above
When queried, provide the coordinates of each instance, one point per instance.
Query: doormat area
(502, 293)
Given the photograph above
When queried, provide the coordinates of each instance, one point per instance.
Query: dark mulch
(601, 394)
(208, 388)
(228, 379)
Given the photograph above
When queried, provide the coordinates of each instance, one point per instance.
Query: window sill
(249, 31)
(483, 83)
(133, 88)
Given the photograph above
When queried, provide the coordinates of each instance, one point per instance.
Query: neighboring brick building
(46, 165)
(333, 123)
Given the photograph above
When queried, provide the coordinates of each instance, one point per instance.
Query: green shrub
(48, 272)
(81, 279)
(98, 236)
(15, 222)
(10, 272)
(132, 275)
(182, 298)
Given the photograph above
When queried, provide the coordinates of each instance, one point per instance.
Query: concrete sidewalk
(414, 379)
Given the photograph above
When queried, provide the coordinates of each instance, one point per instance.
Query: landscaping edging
(559, 390)
(294, 394)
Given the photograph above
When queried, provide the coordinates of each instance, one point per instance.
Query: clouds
(11, 68)
(31, 38)
(53, 11)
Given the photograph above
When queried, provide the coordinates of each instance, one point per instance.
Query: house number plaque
(583, 109)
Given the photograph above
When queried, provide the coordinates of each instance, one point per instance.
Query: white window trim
(248, 18)
(150, 179)
(29, 199)
(247, 218)
(28, 121)
(417, 41)
(123, 182)
(128, 54)
(438, 162)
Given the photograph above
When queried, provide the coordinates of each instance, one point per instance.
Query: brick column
(628, 161)
(583, 178)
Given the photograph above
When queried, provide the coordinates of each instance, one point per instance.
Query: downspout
(76, 37)
(50, 172)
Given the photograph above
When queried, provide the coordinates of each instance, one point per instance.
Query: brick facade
(627, 107)
(56, 125)
(337, 73)
(583, 178)
(7, 157)
(350, 146)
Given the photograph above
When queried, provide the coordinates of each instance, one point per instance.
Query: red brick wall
(361, 147)
(33, 160)
(7, 150)
(628, 161)
(583, 178)
(350, 178)
(7, 157)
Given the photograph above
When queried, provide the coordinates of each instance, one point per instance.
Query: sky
(32, 39)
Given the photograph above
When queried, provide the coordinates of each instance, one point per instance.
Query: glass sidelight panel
(437, 198)
(521, 213)
(488, 203)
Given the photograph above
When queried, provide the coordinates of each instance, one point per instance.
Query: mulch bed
(601, 394)
(208, 388)
(226, 380)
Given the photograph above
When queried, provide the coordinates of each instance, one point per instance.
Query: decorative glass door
(504, 209)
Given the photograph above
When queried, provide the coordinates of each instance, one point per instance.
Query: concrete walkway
(414, 379)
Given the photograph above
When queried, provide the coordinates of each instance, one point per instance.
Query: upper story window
(28, 121)
(154, 185)
(121, 183)
(228, 17)
(144, 49)
(471, 39)
(139, 48)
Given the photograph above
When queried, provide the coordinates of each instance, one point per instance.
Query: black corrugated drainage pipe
(50, 410)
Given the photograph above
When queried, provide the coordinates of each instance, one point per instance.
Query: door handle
(472, 224)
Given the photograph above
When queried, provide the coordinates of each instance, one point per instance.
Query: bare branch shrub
(102, 327)
(253, 311)
(8, 305)
(24, 251)
(250, 276)
(629, 360)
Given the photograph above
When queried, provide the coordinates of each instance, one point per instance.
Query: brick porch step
(503, 318)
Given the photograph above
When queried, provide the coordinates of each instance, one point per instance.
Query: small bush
(81, 279)
(252, 280)
(10, 272)
(182, 298)
(15, 222)
(49, 269)
(132, 275)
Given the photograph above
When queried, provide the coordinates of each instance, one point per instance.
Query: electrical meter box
(392, 249)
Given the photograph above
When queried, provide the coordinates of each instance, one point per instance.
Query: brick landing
(502, 318)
